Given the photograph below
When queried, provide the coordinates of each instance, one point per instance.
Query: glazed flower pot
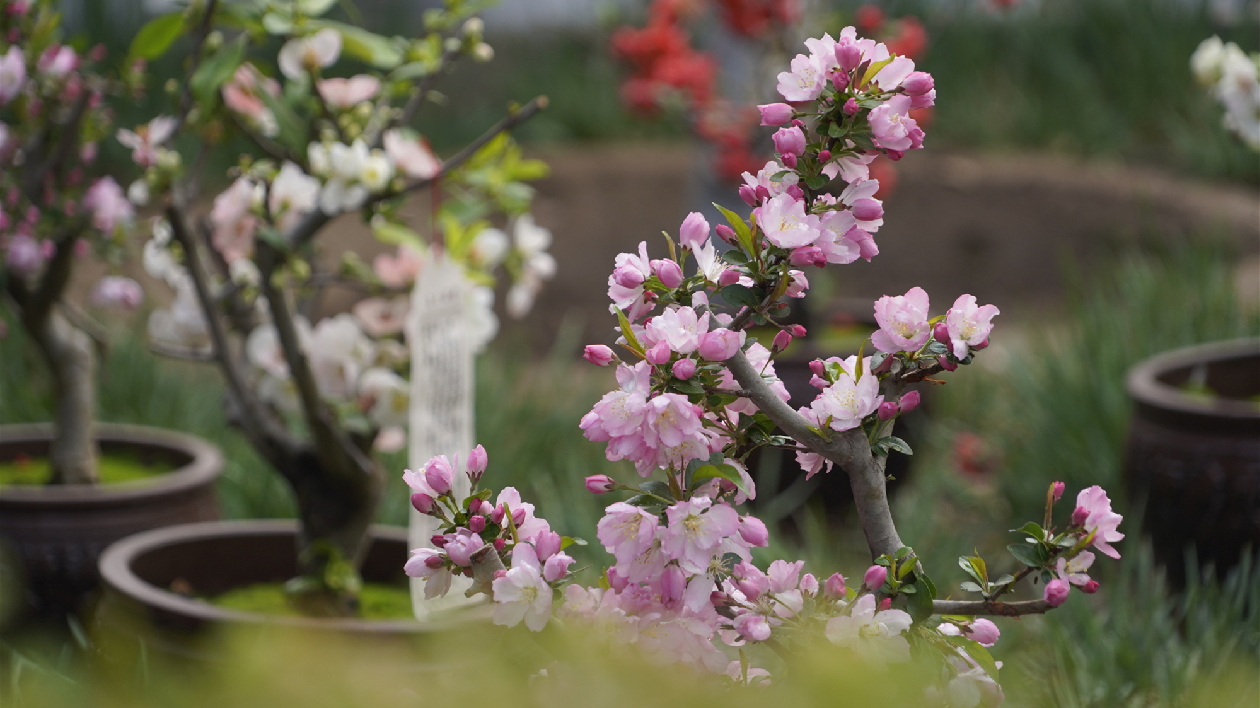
(141, 573)
(56, 533)
(1193, 452)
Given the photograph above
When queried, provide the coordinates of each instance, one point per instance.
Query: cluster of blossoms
(667, 70)
(51, 123)
(699, 395)
(1234, 79)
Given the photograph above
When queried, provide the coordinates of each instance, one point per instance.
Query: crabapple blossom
(790, 141)
(694, 233)
(600, 484)
(598, 354)
(437, 578)
(669, 273)
(146, 141)
(1075, 570)
(968, 324)
(893, 127)
(347, 93)
(1100, 520)
(312, 53)
(12, 73)
(117, 291)
(775, 113)
(873, 635)
(109, 206)
(293, 193)
(846, 402)
(903, 322)
(679, 328)
(804, 82)
(875, 577)
(786, 224)
(523, 593)
(411, 156)
(696, 527)
(1056, 592)
(684, 368)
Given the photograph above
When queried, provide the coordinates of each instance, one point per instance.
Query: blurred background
(1075, 175)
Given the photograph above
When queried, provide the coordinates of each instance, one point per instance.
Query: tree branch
(990, 607)
(485, 563)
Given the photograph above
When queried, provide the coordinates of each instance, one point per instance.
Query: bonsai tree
(56, 208)
(315, 398)
(697, 394)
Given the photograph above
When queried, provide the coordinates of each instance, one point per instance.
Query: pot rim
(116, 574)
(1145, 388)
(206, 465)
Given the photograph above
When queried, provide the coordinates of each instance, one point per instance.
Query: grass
(114, 468)
(377, 601)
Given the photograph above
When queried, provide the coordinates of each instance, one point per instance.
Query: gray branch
(993, 608)
(485, 563)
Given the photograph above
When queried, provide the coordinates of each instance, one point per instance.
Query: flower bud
(547, 543)
(600, 484)
(616, 581)
(887, 410)
(818, 367)
(809, 584)
(1056, 592)
(749, 588)
(438, 477)
(824, 156)
(918, 83)
(981, 345)
(946, 364)
(438, 540)
(894, 155)
(477, 524)
(499, 544)
(789, 161)
(789, 141)
(478, 460)
(518, 517)
(848, 54)
(754, 531)
(474, 506)
(726, 233)
(730, 276)
(684, 368)
(796, 123)
(884, 366)
(1090, 588)
(840, 80)
(850, 107)
(908, 402)
(717, 598)
(834, 587)
(775, 113)
(762, 193)
(807, 256)
(422, 502)
(627, 276)
(748, 195)
(694, 231)
(659, 353)
(719, 345)
(673, 584)
(796, 330)
(1056, 491)
(501, 572)
(434, 562)
(885, 604)
(497, 515)
(984, 632)
(940, 332)
(868, 210)
(598, 354)
(669, 272)
(781, 341)
(1079, 515)
(875, 577)
(795, 191)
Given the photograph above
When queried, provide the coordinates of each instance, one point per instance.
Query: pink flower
(461, 545)
(917, 83)
(775, 113)
(696, 528)
(846, 402)
(968, 324)
(626, 531)
(598, 354)
(556, 567)
(522, 593)
(547, 544)
(24, 255)
(669, 419)
(12, 74)
(785, 223)
(1074, 571)
(233, 222)
(804, 82)
(873, 635)
(752, 626)
(438, 474)
(145, 140)
(108, 204)
(382, 317)
(116, 291)
(303, 54)
(875, 577)
(411, 156)
(892, 125)
(243, 94)
(679, 328)
(1056, 491)
(684, 368)
(903, 322)
(478, 460)
(784, 576)
(1056, 592)
(984, 632)
(669, 273)
(1100, 519)
(908, 402)
(754, 531)
(400, 270)
(694, 232)
(347, 93)
(57, 61)
(624, 295)
(427, 563)
(834, 587)
(600, 484)
(789, 141)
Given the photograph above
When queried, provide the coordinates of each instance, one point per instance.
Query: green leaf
(971, 587)
(725, 472)
(156, 37)
(920, 602)
(1028, 554)
(631, 340)
(740, 226)
(835, 130)
(979, 654)
(374, 49)
(277, 24)
(643, 500)
(816, 182)
(657, 487)
(566, 541)
(215, 71)
(1032, 529)
(739, 295)
(874, 69)
(896, 443)
(314, 8)
(397, 235)
(735, 257)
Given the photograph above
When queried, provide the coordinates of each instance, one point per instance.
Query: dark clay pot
(1194, 461)
(56, 533)
(140, 573)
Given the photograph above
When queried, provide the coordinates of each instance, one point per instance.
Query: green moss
(114, 468)
(378, 601)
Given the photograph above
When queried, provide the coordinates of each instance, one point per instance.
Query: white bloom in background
(489, 247)
(347, 93)
(293, 193)
(182, 324)
(531, 241)
(874, 635)
(520, 298)
(390, 439)
(117, 291)
(138, 192)
(319, 159)
(1206, 60)
(479, 318)
(339, 353)
(342, 191)
(12, 74)
(146, 140)
(157, 261)
(385, 396)
(244, 272)
(382, 317)
(530, 237)
(411, 156)
(376, 171)
(311, 53)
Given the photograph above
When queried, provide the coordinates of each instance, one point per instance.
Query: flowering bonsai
(697, 394)
(1234, 79)
(316, 398)
(56, 208)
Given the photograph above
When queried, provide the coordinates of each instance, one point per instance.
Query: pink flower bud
(981, 345)
(868, 210)
(598, 354)
(807, 256)
(775, 113)
(940, 332)
(438, 477)
(875, 577)
(719, 345)
(908, 402)
(1056, 491)
(781, 341)
(848, 54)
(749, 588)
(616, 581)
(684, 368)
(659, 353)
(796, 330)
(730, 276)
(840, 80)
(946, 364)
(669, 272)
(818, 367)
(1079, 515)
(726, 233)
(894, 155)
(1056, 592)
(474, 506)
(422, 502)
(754, 531)
(824, 156)
(789, 141)
(694, 231)
(1090, 588)
(497, 515)
(600, 484)
(627, 276)
(434, 562)
(477, 524)
(748, 195)
(87, 153)
(796, 123)
(809, 584)
(918, 83)
(789, 161)
(834, 587)
(478, 460)
(887, 410)
(438, 540)
(98, 53)
(885, 604)
(850, 107)
(547, 543)
(501, 572)
(717, 598)
(984, 632)
(673, 584)
(518, 517)
(795, 191)
(762, 193)
(499, 544)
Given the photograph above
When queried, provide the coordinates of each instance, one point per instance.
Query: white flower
(530, 237)
(181, 325)
(376, 171)
(522, 593)
(346, 93)
(244, 272)
(293, 193)
(386, 396)
(339, 352)
(489, 248)
(319, 159)
(138, 192)
(145, 140)
(412, 157)
(804, 82)
(381, 317)
(1206, 60)
(479, 319)
(12, 73)
(872, 635)
(309, 53)
(346, 165)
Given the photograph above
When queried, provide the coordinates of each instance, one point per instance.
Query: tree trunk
(70, 355)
